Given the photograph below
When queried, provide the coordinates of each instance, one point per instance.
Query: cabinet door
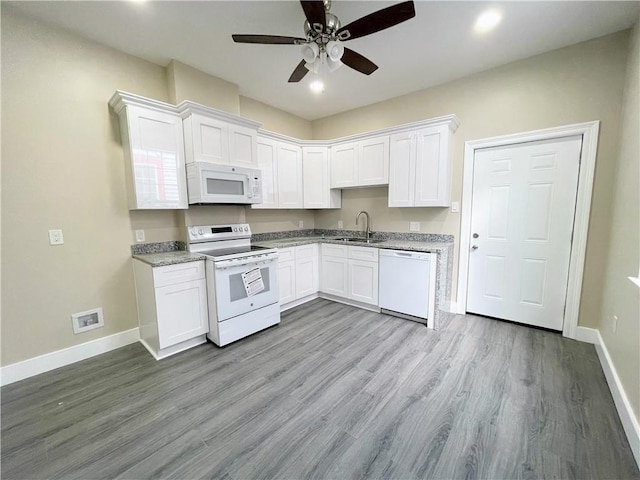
(182, 312)
(433, 167)
(315, 171)
(156, 170)
(289, 176)
(242, 146)
(307, 275)
(210, 139)
(287, 281)
(267, 154)
(344, 164)
(363, 281)
(373, 161)
(334, 276)
(402, 169)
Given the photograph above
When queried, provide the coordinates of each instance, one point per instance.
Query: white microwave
(213, 183)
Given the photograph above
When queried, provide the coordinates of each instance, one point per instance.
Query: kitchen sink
(360, 240)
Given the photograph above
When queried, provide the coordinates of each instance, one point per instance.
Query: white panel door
(522, 212)
(344, 165)
(373, 161)
(210, 139)
(402, 169)
(242, 146)
(182, 312)
(289, 176)
(315, 170)
(433, 177)
(363, 281)
(287, 281)
(333, 273)
(157, 159)
(267, 163)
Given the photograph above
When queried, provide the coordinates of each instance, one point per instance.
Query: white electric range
(242, 281)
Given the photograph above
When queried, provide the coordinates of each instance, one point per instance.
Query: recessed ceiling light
(487, 21)
(317, 86)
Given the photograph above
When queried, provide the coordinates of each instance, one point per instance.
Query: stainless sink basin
(358, 239)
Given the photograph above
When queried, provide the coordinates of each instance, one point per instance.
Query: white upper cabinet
(373, 161)
(360, 164)
(281, 166)
(344, 164)
(153, 146)
(315, 171)
(420, 167)
(267, 163)
(289, 176)
(215, 136)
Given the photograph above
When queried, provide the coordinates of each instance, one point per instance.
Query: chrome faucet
(368, 230)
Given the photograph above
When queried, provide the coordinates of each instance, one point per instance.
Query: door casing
(589, 132)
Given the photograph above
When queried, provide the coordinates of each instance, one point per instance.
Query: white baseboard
(588, 335)
(625, 412)
(60, 358)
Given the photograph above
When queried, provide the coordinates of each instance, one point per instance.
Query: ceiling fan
(324, 35)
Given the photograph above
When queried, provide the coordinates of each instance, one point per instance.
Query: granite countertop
(394, 244)
(161, 259)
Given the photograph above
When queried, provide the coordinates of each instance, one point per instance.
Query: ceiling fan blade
(376, 21)
(358, 62)
(299, 72)
(268, 39)
(315, 13)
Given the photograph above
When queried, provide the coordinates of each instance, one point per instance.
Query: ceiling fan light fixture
(333, 65)
(310, 52)
(317, 86)
(335, 50)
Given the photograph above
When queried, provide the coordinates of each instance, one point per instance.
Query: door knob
(474, 247)
(475, 235)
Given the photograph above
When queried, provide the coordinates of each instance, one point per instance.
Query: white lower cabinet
(350, 272)
(172, 306)
(298, 273)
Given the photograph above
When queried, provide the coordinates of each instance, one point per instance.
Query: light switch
(414, 226)
(340, 224)
(300, 223)
(55, 237)
(139, 235)
(455, 207)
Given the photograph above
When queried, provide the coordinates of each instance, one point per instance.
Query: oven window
(217, 186)
(236, 285)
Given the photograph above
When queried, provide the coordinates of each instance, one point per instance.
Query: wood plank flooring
(332, 392)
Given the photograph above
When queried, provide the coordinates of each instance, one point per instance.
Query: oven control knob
(235, 229)
(200, 232)
(246, 229)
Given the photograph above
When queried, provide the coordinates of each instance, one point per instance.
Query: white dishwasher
(404, 279)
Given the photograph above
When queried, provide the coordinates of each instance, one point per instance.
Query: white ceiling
(436, 46)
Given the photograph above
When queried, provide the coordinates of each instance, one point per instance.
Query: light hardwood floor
(332, 392)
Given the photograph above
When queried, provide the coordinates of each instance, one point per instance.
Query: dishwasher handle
(425, 256)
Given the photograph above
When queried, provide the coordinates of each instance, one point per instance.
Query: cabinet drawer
(181, 272)
(331, 250)
(306, 251)
(363, 253)
(285, 254)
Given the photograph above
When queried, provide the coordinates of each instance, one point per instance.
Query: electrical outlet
(300, 223)
(455, 207)
(614, 323)
(340, 224)
(55, 237)
(139, 235)
(414, 226)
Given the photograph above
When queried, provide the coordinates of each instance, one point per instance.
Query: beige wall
(62, 167)
(622, 257)
(275, 120)
(583, 82)
(187, 83)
